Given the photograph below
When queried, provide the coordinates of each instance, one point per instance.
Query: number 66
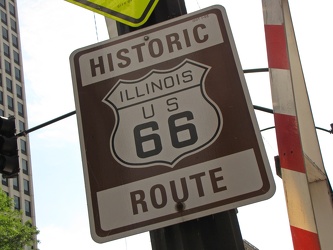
(174, 129)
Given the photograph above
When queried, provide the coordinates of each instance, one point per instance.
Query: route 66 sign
(167, 128)
(158, 118)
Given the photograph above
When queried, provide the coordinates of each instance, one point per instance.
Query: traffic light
(9, 161)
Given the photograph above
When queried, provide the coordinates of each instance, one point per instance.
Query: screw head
(180, 206)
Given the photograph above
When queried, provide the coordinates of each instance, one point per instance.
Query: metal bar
(255, 70)
(267, 110)
(25, 132)
(304, 177)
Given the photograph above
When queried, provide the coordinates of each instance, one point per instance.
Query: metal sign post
(167, 129)
(219, 231)
(214, 232)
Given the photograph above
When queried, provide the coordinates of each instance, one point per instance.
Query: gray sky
(51, 30)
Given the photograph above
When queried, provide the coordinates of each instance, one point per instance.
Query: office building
(13, 103)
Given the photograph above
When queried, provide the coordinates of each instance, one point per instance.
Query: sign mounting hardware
(130, 12)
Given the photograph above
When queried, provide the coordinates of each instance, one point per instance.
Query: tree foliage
(14, 234)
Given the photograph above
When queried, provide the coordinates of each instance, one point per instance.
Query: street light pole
(218, 231)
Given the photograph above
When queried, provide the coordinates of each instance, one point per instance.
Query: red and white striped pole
(305, 181)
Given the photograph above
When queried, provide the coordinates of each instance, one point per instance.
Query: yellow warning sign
(130, 12)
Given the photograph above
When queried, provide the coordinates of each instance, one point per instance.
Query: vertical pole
(304, 178)
(215, 232)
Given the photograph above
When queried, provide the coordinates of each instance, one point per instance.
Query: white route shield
(169, 112)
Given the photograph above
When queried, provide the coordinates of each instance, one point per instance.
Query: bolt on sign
(167, 127)
(130, 12)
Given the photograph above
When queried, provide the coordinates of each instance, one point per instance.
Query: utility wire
(25, 132)
(267, 110)
(96, 30)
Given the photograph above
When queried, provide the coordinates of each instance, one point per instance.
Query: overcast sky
(51, 30)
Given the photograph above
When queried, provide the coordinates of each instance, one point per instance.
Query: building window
(17, 74)
(1, 97)
(23, 147)
(16, 57)
(8, 68)
(15, 41)
(0, 79)
(13, 25)
(27, 208)
(5, 33)
(4, 181)
(20, 109)
(12, 9)
(16, 185)
(10, 102)
(6, 50)
(26, 187)
(9, 85)
(25, 167)
(21, 126)
(17, 204)
(19, 91)
(3, 17)
(3, 4)
(2, 113)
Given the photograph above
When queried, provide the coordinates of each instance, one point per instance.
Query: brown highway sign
(167, 128)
